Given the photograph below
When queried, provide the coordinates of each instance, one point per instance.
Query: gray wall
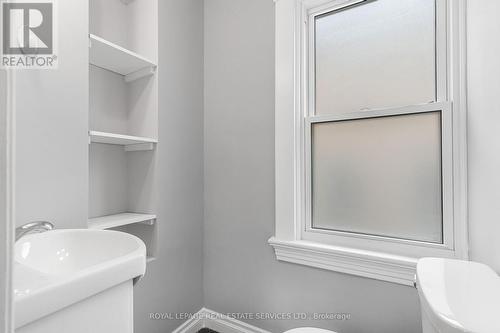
(241, 272)
(52, 129)
(173, 282)
(484, 130)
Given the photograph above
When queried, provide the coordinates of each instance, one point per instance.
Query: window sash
(332, 236)
(441, 55)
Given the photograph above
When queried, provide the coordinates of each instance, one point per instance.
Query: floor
(206, 330)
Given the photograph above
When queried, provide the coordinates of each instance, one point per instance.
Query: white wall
(173, 283)
(3, 199)
(52, 149)
(484, 130)
(6, 230)
(241, 273)
(52, 129)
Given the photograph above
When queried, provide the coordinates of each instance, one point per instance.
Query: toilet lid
(459, 296)
(308, 330)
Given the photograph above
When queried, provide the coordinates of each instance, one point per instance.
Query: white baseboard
(192, 325)
(206, 318)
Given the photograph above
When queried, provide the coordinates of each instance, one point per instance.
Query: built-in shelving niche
(123, 117)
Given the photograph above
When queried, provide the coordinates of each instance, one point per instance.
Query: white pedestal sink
(76, 281)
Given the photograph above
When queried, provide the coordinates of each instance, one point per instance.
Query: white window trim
(343, 256)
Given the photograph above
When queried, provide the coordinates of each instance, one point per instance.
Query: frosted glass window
(379, 176)
(375, 55)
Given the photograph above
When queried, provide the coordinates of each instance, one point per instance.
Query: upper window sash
(314, 8)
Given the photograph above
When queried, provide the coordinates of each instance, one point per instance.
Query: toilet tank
(458, 296)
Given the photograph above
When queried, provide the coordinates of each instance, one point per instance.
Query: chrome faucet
(32, 227)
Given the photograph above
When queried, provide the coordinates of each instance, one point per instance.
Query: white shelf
(131, 143)
(113, 221)
(117, 59)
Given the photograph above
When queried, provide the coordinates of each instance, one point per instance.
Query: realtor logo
(28, 34)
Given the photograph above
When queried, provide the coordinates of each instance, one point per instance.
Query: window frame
(385, 258)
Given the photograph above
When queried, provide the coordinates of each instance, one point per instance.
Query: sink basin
(72, 264)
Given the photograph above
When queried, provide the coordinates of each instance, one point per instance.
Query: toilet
(458, 296)
(455, 296)
(308, 330)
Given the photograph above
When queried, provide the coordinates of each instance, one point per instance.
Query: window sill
(375, 265)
